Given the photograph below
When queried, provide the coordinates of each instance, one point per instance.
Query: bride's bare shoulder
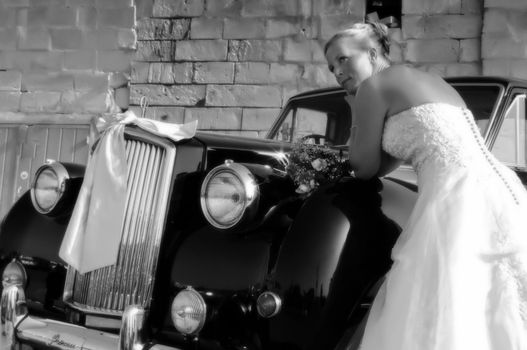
(406, 86)
(403, 73)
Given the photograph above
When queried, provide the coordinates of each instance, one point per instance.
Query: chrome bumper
(18, 327)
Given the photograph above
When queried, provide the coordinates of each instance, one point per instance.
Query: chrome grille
(131, 279)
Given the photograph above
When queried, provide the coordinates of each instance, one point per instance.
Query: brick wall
(231, 64)
(442, 36)
(504, 43)
(61, 63)
(65, 56)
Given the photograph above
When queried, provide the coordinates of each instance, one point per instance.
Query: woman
(459, 278)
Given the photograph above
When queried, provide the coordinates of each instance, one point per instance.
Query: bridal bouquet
(313, 165)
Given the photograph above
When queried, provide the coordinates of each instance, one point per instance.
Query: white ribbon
(94, 232)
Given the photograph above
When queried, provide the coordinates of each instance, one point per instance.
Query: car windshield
(322, 119)
(325, 118)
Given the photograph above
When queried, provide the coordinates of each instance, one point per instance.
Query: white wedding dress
(459, 277)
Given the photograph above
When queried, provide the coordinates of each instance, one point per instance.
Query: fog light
(14, 274)
(189, 311)
(268, 304)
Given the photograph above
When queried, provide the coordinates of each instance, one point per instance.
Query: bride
(459, 277)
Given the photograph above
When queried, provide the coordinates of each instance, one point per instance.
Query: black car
(219, 250)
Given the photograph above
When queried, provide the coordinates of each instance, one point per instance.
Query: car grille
(131, 279)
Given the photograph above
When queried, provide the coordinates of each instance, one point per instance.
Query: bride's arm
(388, 164)
(369, 111)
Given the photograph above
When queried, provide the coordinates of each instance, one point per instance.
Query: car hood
(242, 143)
(244, 150)
(405, 174)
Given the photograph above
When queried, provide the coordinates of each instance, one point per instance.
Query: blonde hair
(369, 34)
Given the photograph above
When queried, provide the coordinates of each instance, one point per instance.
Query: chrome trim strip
(62, 177)
(143, 278)
(132, 214)
(51, 334)
(251, 196)
(14, 274)
(13, 310)
(92, 310)
(133, 150)
(132, 335)
(260, 301)
(109, 290)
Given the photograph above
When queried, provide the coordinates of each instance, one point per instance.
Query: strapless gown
(459, 277)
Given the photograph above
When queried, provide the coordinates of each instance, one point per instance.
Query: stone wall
(62, 62)
(504, 44)
(231, 64)
(442, 36)
(65, 56)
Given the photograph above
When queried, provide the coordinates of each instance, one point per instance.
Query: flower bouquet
(313, 165)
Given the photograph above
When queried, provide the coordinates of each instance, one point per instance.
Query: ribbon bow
(94, 232)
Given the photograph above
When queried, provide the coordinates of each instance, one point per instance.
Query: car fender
(337, 248)
(25, 231)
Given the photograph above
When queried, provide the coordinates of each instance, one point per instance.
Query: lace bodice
(436, 134)
(442, 138)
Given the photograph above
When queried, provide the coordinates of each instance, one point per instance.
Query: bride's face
(349, 62)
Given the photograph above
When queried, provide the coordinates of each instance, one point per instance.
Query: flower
(313, 165)
(303, 188)
(319, 164)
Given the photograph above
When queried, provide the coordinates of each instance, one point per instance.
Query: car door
(510, 145)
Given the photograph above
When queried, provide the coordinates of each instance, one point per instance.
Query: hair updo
(370, 34)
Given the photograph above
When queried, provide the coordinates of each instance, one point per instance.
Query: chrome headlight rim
(265, 309)
(251, 193)
(62, 176)
(201, 305)
(14, 274)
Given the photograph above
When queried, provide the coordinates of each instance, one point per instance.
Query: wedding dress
(459, 277)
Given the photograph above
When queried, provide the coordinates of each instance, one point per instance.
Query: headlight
(48, 186)
(189, 311)
(229, 194)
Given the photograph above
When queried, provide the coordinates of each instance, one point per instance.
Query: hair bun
(380, 30)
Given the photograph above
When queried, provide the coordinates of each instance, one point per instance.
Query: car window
(286, 128)
(322, 120)
(510, 145)
(310, 122)
(306, 124)
(481, 100)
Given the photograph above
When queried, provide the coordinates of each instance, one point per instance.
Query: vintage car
(218, 249)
